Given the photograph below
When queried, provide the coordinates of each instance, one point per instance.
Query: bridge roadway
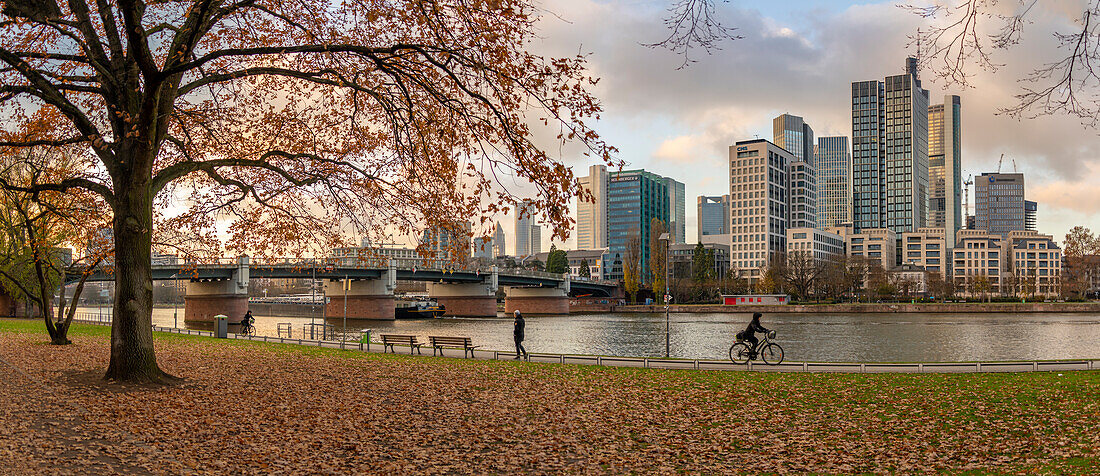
(365, 288)
(221, 271)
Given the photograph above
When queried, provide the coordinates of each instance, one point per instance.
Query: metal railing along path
(690, 364)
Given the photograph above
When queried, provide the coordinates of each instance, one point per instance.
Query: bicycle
(771, 352)
(247, 329)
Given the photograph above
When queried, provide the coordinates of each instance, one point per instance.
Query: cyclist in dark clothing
(749, 334)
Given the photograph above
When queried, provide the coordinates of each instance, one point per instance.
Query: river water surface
(864, 337)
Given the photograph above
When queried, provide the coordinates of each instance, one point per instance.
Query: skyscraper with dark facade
(890, 152)
(832, 161)
(793, 134)
(999, 205)
(714, 216)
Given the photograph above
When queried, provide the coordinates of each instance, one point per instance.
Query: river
(865, 337)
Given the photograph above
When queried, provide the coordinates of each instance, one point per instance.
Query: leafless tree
(694, 24)
(957, 40)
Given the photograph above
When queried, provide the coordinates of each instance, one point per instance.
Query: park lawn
(253, 407)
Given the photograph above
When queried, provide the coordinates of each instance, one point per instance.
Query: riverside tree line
(842, 278)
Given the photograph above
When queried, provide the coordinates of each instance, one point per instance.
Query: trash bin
(221, 326)
(365, 339)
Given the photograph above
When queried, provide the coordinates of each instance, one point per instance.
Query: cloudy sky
(800, 57)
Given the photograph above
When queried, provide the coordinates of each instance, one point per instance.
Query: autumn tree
(1081, 251)
(290, 124)
(36, 230)
(658, 254)
(632, 265)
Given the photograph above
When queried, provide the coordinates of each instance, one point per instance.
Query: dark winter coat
(518, 331)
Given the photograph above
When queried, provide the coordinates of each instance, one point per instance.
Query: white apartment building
(822, 244)
(874, 243)
(759, 202)
(1036, 262)
(977, 253)
(927, 249)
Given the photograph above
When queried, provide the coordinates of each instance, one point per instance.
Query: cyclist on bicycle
(248, 320)
(749, 334)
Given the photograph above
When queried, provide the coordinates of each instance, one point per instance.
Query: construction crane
(966, 198)
(999, 162)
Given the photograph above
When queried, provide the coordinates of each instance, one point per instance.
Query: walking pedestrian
(517, 333)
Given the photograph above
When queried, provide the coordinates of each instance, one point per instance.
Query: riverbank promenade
(250, 407)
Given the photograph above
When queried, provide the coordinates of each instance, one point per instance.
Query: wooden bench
(388, 340)
(464, 343)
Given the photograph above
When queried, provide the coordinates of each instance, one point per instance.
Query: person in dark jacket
(517, 334)
(749, 334)
(248, 320)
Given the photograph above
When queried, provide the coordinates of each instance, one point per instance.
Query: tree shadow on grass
(93, 380)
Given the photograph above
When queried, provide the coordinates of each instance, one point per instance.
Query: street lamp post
(175, 299)
(665, 238)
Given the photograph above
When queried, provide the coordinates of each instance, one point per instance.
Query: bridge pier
(366, 299)
(206, 299)
(465, 299)
(535, 301)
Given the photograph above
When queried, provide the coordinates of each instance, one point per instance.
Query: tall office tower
(792, 133)
(803, 193)
(1030, 210)
(634, 199)
(592, 216)
(483, 247)
(999, 203)
(676, 210)
(714, 215)
(759, 203)
(890, 152)
(452, 240)
(500, 245)
(528, 233)
(945, 167)
(834, 194)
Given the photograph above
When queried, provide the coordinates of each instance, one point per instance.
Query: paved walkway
(696, 364)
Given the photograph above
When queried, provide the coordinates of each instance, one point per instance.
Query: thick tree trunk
(132, 355)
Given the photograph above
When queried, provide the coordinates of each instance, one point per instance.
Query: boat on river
(418, 309)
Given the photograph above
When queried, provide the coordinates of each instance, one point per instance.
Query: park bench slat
(388, 340)
(464, 343)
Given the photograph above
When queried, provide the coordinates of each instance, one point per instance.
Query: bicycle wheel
(739, 353)
(773, 354)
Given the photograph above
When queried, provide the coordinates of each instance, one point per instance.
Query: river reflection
(817, 337)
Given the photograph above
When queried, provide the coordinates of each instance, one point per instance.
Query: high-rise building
(592, 215)
(890, 152)
(792, 133)
(759, 204)
(803, 193)
(483, 247)
(677, 215)
(1030, 210)
(634, 199)
(945, 167)
(452, 240)
(500, 245)
(714, 216)
(528, 233)
(834, 193)
(999, 203)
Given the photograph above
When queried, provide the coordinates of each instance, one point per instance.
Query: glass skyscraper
(714, 215)
(793, 134)
(677, 212)
(999, 205)
(592, 216)
(528, 233)
(634, 199)
(832, 160)
(944, 166)
(890, 152)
